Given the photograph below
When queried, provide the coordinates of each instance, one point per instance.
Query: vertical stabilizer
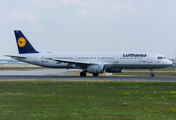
(23, 44)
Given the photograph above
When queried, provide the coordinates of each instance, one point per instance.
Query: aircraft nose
(169, 62)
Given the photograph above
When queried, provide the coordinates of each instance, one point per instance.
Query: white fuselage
(94, 63)
(109, 60)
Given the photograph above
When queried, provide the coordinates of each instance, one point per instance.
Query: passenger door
(35, 59)
(76, 58)
(116, 59)
(149, 58)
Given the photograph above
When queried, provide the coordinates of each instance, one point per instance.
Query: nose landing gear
(152, 74)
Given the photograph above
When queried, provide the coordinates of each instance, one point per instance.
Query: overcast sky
(90, 25)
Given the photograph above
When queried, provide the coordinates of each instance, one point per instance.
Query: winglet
(23, 44)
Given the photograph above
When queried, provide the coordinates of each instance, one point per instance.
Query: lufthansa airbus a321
(94, 63)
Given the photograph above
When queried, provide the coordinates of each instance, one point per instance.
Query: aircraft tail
(23, 44)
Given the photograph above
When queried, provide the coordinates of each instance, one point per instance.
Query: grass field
(87, 100)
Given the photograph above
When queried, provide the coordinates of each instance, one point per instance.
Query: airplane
(93, 62)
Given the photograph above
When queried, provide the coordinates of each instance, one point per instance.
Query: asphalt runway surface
(88, 78)
(62, 74)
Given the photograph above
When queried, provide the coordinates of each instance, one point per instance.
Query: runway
(62, 74)
(88, 78)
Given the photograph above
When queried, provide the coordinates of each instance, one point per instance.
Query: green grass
(87, 100)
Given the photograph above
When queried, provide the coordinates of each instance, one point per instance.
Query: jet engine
(114, 70)
(96, 69)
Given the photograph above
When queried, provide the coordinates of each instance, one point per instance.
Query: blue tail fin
(23, 44)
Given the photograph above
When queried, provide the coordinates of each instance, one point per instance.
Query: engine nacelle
(114, 70)
(96, 69)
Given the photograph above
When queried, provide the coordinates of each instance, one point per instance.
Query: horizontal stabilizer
(18, 57)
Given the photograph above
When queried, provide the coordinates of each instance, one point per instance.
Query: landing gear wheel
(95, 74)
(83, 74)
(152, 75)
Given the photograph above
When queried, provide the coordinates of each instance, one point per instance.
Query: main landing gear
(151, 74)
(95, 74)
(83, 74)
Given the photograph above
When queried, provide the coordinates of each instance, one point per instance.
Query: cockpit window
(161, 57)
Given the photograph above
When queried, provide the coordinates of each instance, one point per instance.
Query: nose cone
(169, 63)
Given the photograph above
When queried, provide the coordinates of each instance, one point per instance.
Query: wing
(77, 63)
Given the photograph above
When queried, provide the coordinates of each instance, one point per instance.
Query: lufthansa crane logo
(21, 42)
